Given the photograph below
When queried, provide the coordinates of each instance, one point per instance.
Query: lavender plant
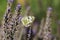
(47, 26)
(17, 19)
(39, 35)
(18, 27)
(6, 23)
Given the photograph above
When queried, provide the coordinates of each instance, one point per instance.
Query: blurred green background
(3, 4)
(38, 8)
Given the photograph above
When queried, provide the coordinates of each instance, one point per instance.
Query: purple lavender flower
(10, 0)
(49, 9)
(19, 20)
(18, 6)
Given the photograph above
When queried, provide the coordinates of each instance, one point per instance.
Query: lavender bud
(8, 9)
(18, 7)
(20, 18)
(49, 9)
(10, 0)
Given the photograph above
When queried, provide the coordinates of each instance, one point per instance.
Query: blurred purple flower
(18, 6)
(49, 9)
(34, 32)
(35, 27)
(10, 0)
